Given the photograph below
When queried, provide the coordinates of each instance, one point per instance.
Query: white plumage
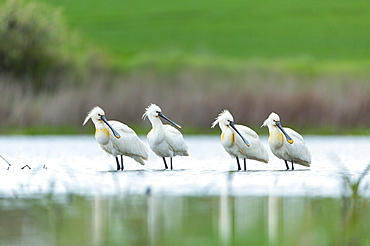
(286, 144)
(240, 141)
(164, 140)
(116, 138)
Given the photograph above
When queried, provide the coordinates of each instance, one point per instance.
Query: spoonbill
(286, 144)
(164, 140)
(119, 140)
(240, 141)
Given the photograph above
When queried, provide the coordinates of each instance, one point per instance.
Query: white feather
(234, 144)
(164, 140)
(296, 152)
(128, 144)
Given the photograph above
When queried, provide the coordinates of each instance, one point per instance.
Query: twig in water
(354, 184)
(26, 166)
(6, 162)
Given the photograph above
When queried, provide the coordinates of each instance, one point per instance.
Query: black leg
(118, 166)
(237, 161)
(121, 162)
(171, 163)
(245, 166)
(286, 164)
(292, 165)
(165, 164)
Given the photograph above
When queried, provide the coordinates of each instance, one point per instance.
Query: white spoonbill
(119, 140)
(286, 144)
(164, 140)
(240, 141)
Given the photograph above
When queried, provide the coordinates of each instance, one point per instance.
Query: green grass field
(333, 34)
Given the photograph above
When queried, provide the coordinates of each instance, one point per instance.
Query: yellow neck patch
(105, 131)
(277, 136)
(231, 137)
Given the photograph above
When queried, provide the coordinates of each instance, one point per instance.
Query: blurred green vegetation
(308, 37)
(183, 220)
(38, 48)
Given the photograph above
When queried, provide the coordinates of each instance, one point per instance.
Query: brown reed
(194, 98)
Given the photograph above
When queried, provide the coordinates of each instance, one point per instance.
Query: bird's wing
(175, 139)
(298, 149)
(120, 127)
(256, 150)
(129, 143)
(293, 134)
(246, 131)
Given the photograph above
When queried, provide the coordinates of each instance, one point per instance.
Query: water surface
(77, 164)
(72, 195)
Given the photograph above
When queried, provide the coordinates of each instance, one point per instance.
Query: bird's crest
(148, 110)
(91, 113)
(272, 116)
(224, 113)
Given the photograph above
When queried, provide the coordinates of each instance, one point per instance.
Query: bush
(35, 43)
